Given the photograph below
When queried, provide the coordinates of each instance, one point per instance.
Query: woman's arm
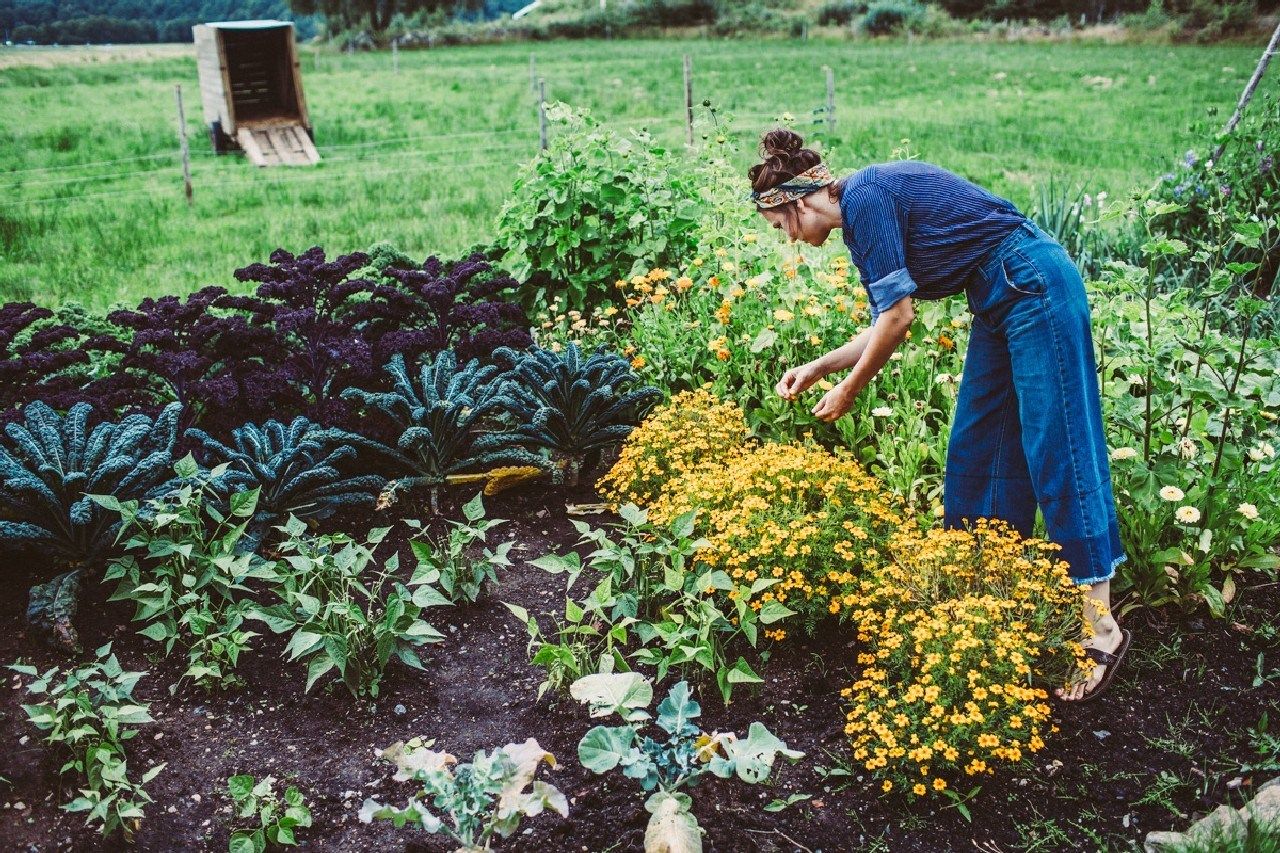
(802, 376)
(846, 355)
(883, 338)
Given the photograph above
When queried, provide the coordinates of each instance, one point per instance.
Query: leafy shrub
(188, 576)
(294, 469)
(1207, 199)
(962, 632)
(594, 207)
(273, 819)
(691, 430)
(87, 714)
(571, 405)
(49, 462)
(840, 13)
(481, 799)
(1188, 392)
(462, 577)
(440, 416)
(886, 18)
(674, 761)
(344, 613)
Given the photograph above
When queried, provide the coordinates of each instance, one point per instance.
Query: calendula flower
(683, 283)
(638, 362)
(882, 411)
(749, 237)
(1249, 511)
(1187, 514)
(1171, 494)
(946, 342)
(610, 311)
(1187, 449)
(782, 315)
(1123, 453)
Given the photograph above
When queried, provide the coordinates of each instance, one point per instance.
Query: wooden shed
(251, 90)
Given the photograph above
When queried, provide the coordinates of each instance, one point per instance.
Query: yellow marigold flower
(638, 362)
(919, 789)
(939, 784)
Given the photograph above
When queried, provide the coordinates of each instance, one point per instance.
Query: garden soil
(1169, 743)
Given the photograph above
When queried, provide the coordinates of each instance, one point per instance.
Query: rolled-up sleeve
(878, 223)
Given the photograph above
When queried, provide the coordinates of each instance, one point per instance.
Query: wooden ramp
(277, 145)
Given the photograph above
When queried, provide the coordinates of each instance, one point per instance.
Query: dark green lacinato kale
(572, 405)
(49, 464)
(52, 607)
(445, 416)
(295, 467)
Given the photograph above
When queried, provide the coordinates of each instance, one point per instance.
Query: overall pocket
(1021, 275)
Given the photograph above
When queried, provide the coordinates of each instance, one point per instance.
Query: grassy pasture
(92, 205)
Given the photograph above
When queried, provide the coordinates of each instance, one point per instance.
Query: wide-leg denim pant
(1028, 422)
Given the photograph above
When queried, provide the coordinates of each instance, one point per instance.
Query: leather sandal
(1111, 660)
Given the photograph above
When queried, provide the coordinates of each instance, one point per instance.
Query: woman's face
(798, 221)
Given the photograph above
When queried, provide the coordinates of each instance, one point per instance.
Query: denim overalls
(1028, 421)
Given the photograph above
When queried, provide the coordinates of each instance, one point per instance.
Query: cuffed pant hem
(1102, 578)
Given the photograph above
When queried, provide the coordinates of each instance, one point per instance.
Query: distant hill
(132, 21)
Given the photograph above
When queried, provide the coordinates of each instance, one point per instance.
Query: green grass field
(93, 210)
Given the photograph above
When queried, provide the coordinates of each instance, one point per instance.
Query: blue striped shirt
(915, 229)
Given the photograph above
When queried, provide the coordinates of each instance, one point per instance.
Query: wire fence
(66, 183)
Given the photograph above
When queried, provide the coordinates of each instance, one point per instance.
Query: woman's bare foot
(1106, 637)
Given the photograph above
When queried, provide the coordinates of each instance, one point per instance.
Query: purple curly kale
(220, 367)
(46, 356)
(306, 302)
(459, 305)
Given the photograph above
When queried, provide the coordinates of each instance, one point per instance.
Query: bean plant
(271, 819)
(87, 714)
(676, 760)
(343, 613)
(462, 576)
(651, 587)
(480, 799)
(185, 571)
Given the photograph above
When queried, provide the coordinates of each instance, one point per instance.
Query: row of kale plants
(350, 382)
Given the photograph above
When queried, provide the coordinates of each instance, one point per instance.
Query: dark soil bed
(1177, 736)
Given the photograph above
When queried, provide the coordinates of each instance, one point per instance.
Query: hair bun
(781, 143)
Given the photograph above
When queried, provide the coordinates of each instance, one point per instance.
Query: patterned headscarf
(802, 184)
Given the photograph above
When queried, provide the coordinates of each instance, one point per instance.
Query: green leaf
(672, 828)
(623, 693)
(474, 508)
(316, 670)
(742, 673)
(676, 712)
(240, 786)
(764, 340)
(604, 748)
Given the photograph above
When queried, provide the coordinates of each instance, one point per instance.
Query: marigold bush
(692, 431)
(962, 632)
(796, 512)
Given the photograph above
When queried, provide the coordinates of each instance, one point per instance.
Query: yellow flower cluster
(692, 431)
(957, 629)
(811, 519)
(952, 629)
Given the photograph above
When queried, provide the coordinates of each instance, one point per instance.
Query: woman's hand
(835, 403)
(798, 379)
